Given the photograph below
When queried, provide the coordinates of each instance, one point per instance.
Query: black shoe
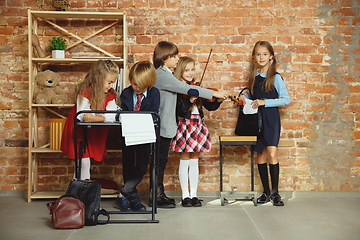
(169, 199)
(186, 202)
(137, 206)
(123, 203)
(264, 198)
(163, 203)
(195, 202)
(276, 199)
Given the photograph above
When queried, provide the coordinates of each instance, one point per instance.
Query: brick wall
(317, 47)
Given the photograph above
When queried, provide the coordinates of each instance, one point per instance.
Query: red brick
(94, 4)
(297, 4)
(14, 3)
(143, 40)
(302, 49)
(109, 3)
(6, 31)
(77, 4)
(355, 69)
(329, 89)
(343, 12)
(321, 108)
(342, 30)
(129, 4)
(315, 68)
(354, 89)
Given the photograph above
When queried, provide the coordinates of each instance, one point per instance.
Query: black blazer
(150, 103)
(183, 105)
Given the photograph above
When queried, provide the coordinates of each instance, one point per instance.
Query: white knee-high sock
(85, 168)
(183, 177)
(194, 177)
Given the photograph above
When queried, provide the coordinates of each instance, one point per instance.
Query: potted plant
(58, 47)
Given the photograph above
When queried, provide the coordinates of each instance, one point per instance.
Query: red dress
(96, 137)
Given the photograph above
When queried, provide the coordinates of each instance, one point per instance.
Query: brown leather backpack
(67, 212)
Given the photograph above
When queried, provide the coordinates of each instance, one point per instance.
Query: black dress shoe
(163, 203)
(276, 199)
(169, 199)
(264, 198)
(186, 202)
(195, 202)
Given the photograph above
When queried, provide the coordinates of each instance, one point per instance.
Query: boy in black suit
(140, 96)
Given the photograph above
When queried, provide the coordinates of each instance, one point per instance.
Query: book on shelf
(119, 83)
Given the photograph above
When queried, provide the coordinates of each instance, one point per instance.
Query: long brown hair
(94, 81)
(179, 71)
(269, 80)
(162, 51)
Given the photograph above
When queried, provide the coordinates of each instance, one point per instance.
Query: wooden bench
(237, 140)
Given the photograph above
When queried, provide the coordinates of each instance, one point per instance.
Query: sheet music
(137, 128)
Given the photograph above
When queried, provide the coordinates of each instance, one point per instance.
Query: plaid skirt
(192, 135)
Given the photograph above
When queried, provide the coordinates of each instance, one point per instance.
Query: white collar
(261, 74)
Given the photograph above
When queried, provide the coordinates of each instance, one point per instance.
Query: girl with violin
(192, 136)
(166, 58)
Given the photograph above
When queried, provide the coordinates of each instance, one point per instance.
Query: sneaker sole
(278, 204)
(123, 209)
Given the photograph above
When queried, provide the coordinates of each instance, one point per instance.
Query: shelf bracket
(56, 113)
(77, 37)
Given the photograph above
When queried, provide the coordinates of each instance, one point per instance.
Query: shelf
(82, 15)
(73, 60)
(55, 19)
(53, 105)
(57, 194)
(48, 150)
(47, 194)
(44, 150)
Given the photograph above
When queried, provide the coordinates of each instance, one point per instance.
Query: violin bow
(205, 67)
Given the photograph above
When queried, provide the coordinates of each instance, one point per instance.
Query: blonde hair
(162, 51)
(94, 81)
(180, 68)
(179, 71)
(143, 74)
(268, 84)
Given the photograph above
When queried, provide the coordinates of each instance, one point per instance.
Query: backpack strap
(105, 213)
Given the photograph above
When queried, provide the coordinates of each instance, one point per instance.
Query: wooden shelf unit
(35, 63)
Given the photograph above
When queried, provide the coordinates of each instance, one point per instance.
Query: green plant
(77, 84)
(57, 43)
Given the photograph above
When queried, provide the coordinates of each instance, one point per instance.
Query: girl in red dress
(95, 93)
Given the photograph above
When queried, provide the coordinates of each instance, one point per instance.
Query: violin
(199, 83)
(236, 100)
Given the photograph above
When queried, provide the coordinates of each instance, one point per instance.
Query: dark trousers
(135, 161)
(163, 158)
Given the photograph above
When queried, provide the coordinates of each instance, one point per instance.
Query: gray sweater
(169, 86)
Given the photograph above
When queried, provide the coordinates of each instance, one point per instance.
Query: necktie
(138, 103)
